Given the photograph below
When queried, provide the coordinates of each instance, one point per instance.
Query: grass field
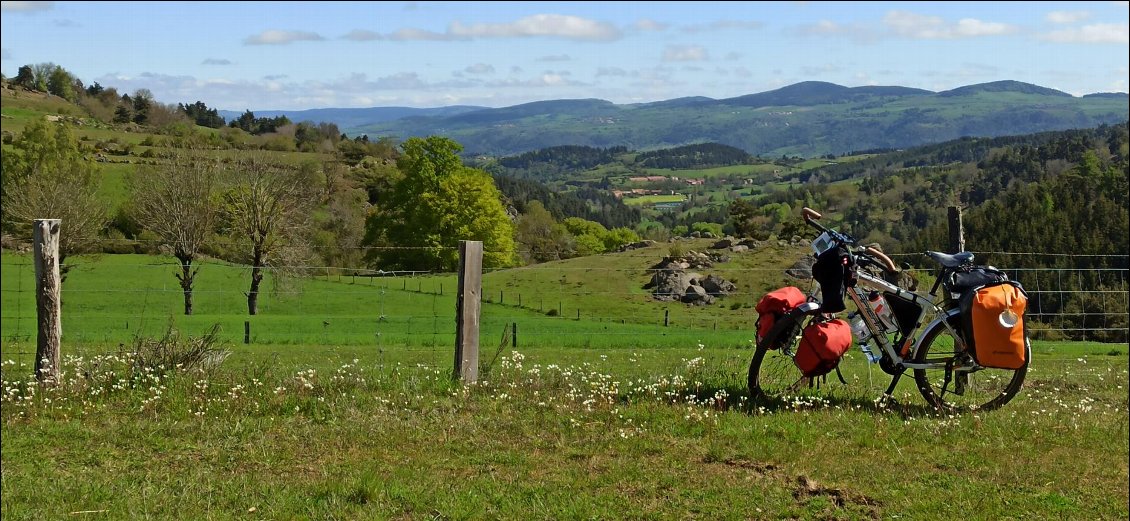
(331, 432)
(342, 407)
(584, 302)
(647, 200)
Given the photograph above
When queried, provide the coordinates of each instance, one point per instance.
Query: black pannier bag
(963, 280)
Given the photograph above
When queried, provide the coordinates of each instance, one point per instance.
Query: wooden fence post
(468, 302)
(47, 301)
(957, 232)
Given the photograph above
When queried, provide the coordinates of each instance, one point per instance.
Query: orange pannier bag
(774, 305)
(993, 320)
(822, 345)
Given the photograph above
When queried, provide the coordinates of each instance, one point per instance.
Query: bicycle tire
(985, 389)
(772, 372)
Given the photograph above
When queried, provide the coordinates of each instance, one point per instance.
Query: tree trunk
(186, 278)
(253, 295)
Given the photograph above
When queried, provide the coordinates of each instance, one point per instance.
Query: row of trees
(273, 216)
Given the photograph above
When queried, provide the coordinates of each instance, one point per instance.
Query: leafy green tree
(743, 215)
(42, 71)
(202, 115)
(45, 176)
(541, 237)
(578, 226)
(142, 103)
(123, 114)
(62, 84)
(714, 229)
(438, 203)
(617, 237)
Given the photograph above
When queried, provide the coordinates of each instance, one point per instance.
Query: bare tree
(179, 202)
(268, 212)
(46, 177)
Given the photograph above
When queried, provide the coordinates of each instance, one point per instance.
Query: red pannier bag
(822, 345)
(774, 305)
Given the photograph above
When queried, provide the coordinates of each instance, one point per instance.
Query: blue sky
(301, 55)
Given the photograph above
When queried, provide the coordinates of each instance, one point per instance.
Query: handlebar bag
(774, 305)
(822, 345)
(993, 320)
(834, 270)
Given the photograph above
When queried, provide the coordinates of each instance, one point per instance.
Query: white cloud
(856, 32)
(645, 24)
(550, 25)
(924, 27)
(276, 37)
(555, 58)
(684, 53)
(362, 35)
(405, 35)
(820, 70)
(611, 71)
(479, 68)
(1067, 17)
(25, 7)
(724, 24)
(1094, 33)
(215, 61)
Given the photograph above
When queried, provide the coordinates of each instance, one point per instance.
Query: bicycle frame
(910, 343)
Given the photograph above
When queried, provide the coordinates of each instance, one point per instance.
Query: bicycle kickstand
(894, 382)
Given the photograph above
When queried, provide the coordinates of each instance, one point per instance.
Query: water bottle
(882, 310)
(859, 329)
(863, 336)
(871, 356)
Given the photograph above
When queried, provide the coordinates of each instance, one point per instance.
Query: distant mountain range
(350, 118)
(806, 119)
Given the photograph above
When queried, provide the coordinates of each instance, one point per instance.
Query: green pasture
(597, 301)
(757, 170)
(346, 432)
(647, 200)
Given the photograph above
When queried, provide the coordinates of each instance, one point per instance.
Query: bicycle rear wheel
(982, 390)
(772, 373)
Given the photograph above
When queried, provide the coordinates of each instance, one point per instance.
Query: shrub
(172, 352)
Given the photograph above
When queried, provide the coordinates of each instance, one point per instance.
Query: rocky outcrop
(671, 280)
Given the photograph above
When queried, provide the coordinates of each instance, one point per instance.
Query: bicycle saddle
(955, 260)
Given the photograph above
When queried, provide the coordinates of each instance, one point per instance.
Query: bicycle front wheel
(951, 390)
(772, 373)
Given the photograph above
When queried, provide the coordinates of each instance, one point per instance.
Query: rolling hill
(806, 119)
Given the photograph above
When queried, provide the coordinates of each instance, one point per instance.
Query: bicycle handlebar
(811, 216)
(883, 258)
